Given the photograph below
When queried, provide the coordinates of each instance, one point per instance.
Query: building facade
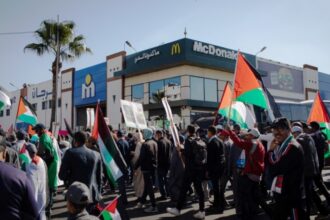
(192, 74)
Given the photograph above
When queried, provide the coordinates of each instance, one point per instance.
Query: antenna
(185, 32)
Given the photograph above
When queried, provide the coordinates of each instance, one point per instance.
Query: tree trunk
(54, 92)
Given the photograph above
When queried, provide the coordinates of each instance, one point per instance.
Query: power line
(16, 33)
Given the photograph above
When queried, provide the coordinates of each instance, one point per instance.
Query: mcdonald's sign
(176, 49)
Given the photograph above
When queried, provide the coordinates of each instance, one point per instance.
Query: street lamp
(260, 51)
(129, 44)
(13, 85)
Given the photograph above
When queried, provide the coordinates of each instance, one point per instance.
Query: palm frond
(40, 49)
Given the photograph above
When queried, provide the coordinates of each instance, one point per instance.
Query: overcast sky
(295, 31)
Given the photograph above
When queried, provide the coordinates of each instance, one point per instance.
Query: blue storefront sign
(181, 52)
(90, 85)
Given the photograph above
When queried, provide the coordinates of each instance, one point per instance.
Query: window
(173, 88)
(1, 113)
(211, 93)
(34, 106)
(138, 93)
(59, 102)
(197, 88)
(50, 104)
(7, 112)
(156, 91)
(44, 105)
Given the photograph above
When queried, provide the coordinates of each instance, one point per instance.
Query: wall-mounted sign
(147, 55)
(89, 85)
(214, 50)
(175, 49)
(40, 94)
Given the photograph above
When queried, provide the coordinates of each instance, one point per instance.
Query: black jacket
(321, 145)
(189, 158)
(164, 147)
(311, 161)
(148, 156)
(215, 156)
(291, 166)
(83, 165)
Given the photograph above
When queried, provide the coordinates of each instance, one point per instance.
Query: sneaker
(200, 215)
(173, 211)
(151, 209)
(140, 205)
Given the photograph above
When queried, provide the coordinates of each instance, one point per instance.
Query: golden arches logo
(176, 49)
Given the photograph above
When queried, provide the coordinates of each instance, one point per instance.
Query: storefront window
(211, 93)
(173, 88)
(137, 93)
(156, 91)
(196, 88)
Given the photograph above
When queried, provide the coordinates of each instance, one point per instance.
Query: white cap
(254, 132)
(219, 127)
(295, 129)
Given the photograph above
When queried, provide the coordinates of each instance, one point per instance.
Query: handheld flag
(319, 114)
(25, 113)
(110, 212)
(240, 114)
(247, 88)
(4, 100)
(111, 156)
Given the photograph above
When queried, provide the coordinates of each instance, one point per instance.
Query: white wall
(66, 96)
(7, 120)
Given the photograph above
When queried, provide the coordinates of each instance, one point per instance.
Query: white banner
(173, 129)
(133, 114)
(90, 117)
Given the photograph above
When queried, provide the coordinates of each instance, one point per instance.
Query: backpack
(199, 151)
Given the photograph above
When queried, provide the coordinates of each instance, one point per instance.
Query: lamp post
(128, 44)
(260, 51)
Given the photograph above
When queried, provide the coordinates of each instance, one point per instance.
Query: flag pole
(232, 90)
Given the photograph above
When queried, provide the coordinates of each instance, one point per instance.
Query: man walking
(164, 146)
(195, 156)
(84, 165)
(215, 167)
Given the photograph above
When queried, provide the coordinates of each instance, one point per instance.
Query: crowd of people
(277, 172)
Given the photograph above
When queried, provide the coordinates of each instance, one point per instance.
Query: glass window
(138, 93)
(211, 91)
(44, 105)
(156, 91)
(173, 88)
(59, 102)
(285, 109)
(196, 88)
(1, 113)
(7, 112)
(34, 106)
(50, 104)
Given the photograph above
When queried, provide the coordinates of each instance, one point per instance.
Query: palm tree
(58, 39)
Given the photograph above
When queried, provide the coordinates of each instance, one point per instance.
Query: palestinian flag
(4, 100)
(25, 113)
(247, 88)
(320, 114)
(240, 113)
(110, 212)
(111, 156)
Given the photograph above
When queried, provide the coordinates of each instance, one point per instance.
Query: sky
(295, 32)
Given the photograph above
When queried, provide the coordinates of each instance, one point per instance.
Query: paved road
(59, 209)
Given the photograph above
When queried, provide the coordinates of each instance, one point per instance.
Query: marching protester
(148, 163)
(248, 182)
(17, 199)
(163, 154)
(47, 151)
(138, 182)
(215, 168)
(78, 197)
(311, 166)
(36, 171)
(20, 147)
(286, 165)
(195, 155)
(78, 159)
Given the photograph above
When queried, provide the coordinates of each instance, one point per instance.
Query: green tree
(59, 40)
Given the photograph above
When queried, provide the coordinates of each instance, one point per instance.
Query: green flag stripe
(254, 97)
(109, 161)
(2, 104)
(29, 119)
(235, 116)
(106, 215)
(326, 131)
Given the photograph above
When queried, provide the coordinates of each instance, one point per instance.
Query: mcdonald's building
(190, 73)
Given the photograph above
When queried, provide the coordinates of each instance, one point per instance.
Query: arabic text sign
(133, 114)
